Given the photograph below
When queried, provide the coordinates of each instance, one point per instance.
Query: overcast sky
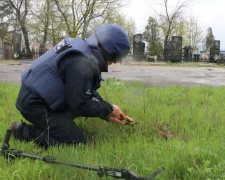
(209, 13)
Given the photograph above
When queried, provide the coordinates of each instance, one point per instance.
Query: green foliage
(178, 127)
(3, 30)
(209, 38)
(152, 36)
(5, 9)
(190, 31)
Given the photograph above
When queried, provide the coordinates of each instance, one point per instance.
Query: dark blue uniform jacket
(78, 73)
(81, 77)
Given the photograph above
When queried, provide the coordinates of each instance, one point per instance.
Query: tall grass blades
(178, 127)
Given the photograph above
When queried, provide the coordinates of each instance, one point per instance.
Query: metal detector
(11, 154)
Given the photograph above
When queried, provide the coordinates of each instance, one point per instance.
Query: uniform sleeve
(97, 96)
(79, 79)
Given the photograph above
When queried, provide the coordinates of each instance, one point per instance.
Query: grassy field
(178, 127)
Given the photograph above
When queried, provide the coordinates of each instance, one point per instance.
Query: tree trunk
(46, 23)
(26, 39)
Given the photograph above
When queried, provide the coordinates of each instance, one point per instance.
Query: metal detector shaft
(18, 153)
(102, 171)
(52, 160)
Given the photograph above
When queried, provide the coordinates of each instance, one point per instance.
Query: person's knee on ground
(23, 131)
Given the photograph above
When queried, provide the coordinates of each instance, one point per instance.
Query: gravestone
(7, 51)
(214, 51)
(176, 49)
(222, 58)
(16, 44)
(138, 47)
(188, 53)
(205, 55)
(196, 55)
(167, 50)
(36, 49)
(173, 49)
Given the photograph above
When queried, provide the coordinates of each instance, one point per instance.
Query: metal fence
(7, 54)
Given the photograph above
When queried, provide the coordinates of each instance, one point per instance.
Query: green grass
(10, 61)
(143, 62)
(178, 64)
(178, 127)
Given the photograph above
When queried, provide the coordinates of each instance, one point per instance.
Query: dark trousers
(48, 127)
(52, 128)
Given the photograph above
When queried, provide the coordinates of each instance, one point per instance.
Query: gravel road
(147, 73)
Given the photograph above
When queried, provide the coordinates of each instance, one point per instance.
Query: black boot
(16, 128)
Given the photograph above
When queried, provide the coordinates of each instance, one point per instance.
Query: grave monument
(214, 51)
(173, 49)
(138, 47)
(188, 53)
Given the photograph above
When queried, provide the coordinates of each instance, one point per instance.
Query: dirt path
(150, 75)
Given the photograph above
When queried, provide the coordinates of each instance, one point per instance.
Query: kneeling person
(61, 85)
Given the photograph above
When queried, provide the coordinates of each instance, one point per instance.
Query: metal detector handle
(155, 173)
(5, 145)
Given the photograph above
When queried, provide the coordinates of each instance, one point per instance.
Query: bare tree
(20, 9)
(4, 11)
(169, 18)
(194, 32)
(119, 18)
(39, 20)
(46, 24)
(46, 20)
(190, 30)
(78, 14)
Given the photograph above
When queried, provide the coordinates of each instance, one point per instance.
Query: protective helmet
(113, 42)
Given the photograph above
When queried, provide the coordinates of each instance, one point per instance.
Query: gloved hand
(117, 116)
